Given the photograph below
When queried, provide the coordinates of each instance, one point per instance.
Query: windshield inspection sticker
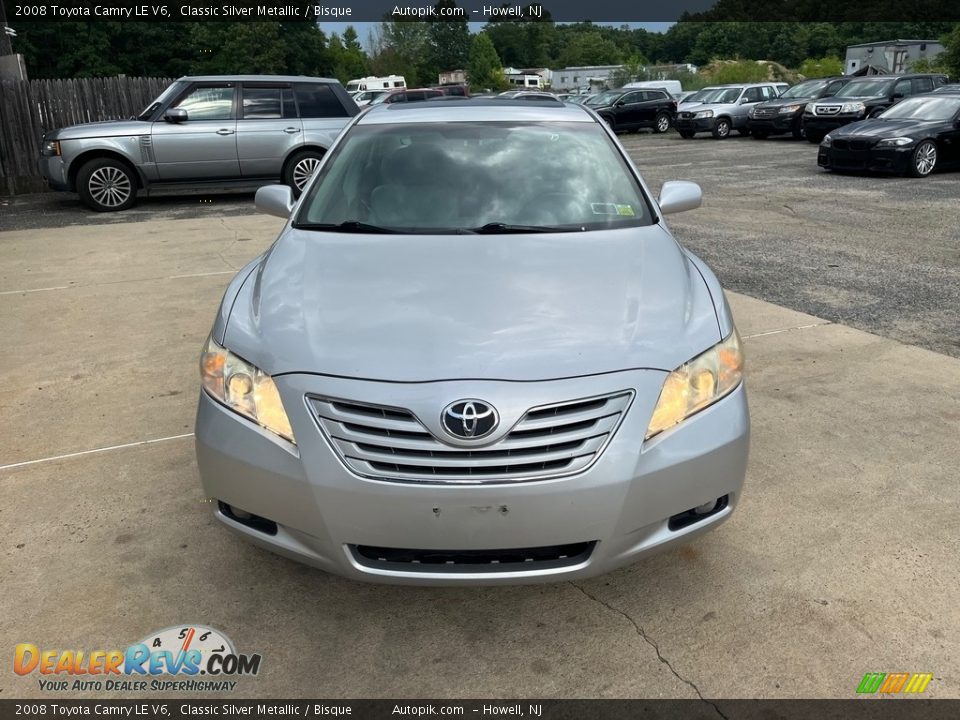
(612, 209)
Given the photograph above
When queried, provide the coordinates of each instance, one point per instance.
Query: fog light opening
(255, 522)
(697, 514)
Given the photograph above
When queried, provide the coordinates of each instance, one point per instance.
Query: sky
(364, 28)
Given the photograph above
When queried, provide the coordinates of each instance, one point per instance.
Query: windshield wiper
(349, 226)
(499, 228)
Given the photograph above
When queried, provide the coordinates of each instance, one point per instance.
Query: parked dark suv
(864, 97)
(785, 114)
(218, 131)
(635, 109)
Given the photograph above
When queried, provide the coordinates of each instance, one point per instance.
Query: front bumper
(622, 504)
(821, 125)
(694, 125)
(774, 125)
(892, 160)
(54, 170)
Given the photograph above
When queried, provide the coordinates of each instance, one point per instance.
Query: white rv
(390, 82)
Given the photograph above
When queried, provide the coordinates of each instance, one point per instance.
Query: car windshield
(924, 108)
(864, 88)
(475, 177)
(604, 98)
(722, 95)
(173, 90)
(805, 89)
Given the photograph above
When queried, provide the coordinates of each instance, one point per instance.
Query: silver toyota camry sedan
(475, 354)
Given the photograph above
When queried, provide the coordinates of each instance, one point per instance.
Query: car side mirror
(744, 101)
(274, 200)
(175, 115)
(679, 196)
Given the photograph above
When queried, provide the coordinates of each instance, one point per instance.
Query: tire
(760, 135)
(721, 128)
(798, 132)
(107, 185)
(300, 168)
(610, 122)
(662, 123)
(923, 160)
(686, 134)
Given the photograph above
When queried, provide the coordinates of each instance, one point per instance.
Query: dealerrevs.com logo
(184, 657)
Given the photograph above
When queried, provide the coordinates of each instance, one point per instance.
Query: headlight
(50, 148)
(704, 114)
(854, 107)
(243, 388)
(788, 109)
(827, 141)
(895, 142)
(697, 384)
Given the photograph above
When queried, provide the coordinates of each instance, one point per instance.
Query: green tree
(949, 60)
(589, 48)
(449, 43)
(400, 49)
(484, 70)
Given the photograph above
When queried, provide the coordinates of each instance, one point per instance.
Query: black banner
(853, 709)
(610, 11)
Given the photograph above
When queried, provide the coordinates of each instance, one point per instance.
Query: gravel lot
(881, 254)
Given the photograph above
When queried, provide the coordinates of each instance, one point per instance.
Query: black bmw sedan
(914, 137)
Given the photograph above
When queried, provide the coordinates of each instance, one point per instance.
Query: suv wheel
(662, 123)
(924, 159)
(300, 168)
(721, 128)
(107, 185)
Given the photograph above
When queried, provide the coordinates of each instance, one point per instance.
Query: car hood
(110, 128)
(781, 102)
(877, 128)
(507, 307)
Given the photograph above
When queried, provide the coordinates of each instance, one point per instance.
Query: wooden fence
(28, 108)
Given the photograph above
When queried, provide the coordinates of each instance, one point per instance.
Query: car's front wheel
(107, 185)
(300, 168)
(662, 123)
(721, 128)
(924, 159)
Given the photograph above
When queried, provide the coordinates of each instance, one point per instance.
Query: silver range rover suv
(223, 131)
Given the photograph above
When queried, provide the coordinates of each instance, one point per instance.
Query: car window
(752, 94)
(729, 95)
(318, 101)
(769, 92)
(449, 177)
(902, 88)
(172, 91)
(262, 103)
(833, 88)
(865, 88)
(208, 103)
(633, 97)
(938, 107)
(922, 85)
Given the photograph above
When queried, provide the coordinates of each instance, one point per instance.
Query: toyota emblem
(469, 419)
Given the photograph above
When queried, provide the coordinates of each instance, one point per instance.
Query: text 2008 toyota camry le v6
(474, 354)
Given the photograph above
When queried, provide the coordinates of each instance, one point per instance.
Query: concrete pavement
(841, 559)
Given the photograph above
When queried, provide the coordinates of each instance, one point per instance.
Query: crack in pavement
(646, 638)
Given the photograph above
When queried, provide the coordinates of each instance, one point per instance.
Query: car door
(627, 109)
(750, 97)
(948, 141)
(204, 146)
(267, 128)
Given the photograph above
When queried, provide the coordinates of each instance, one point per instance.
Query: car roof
(482, 110)
(256, 78)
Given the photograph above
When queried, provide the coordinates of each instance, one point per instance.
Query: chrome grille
(766, 112)
(390, 443)
(826, 109)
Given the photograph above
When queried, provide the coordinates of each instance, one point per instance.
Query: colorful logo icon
(893, 683)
